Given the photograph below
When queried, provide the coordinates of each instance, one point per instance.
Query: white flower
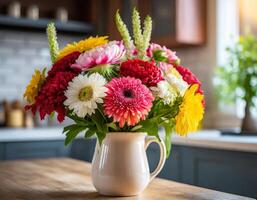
(165, 91)
(178, 83)
(169, 89)
(84, 92)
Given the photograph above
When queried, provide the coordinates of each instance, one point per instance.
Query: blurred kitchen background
(198, 30)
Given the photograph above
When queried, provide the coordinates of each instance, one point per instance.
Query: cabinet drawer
(42, 149)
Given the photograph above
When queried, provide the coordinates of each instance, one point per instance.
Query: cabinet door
(153, 155)
(176, 23)
(173, 165)
(226, 171)
(2, 151)
(39, 149)
(191, 22)
(83, 149)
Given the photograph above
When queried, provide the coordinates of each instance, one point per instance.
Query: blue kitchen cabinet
(223, 170)
(172, 167)
(153, 155)
(83, 149)
(2, 151)
(37, 149)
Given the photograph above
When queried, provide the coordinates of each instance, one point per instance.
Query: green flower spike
(52, 41)
(137, 32)
(146, 34)
(122, 28)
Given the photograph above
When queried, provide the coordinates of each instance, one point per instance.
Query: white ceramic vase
(120, 166)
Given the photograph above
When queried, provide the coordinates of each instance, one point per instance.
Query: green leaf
(81, 121)
(90, 132)
(101, 125)
(72, 133)
(150, 126)
(101, 136)
(159, 56)
(168, 126)
(67, 128)
(113, 126)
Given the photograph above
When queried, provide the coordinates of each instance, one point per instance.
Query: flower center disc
(86, 93)
(128, 93)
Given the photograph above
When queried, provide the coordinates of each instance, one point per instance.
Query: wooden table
(65, 178)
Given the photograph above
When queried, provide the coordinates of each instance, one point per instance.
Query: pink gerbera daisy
(127, 100)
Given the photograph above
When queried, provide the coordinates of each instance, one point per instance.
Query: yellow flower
(83, 45)
(34, 86)
(191, 112)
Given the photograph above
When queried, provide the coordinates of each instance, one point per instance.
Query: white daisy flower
(84, 93)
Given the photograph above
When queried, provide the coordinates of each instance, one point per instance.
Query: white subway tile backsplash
(37, 43)
(14, 61)
(6, 51)
(26, 51)
(44, 52)
(15, 41)
(20, 54)
(9, 93)
(40, 61)
(4, 71)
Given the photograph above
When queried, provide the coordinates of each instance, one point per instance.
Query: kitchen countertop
(204, 138)
(31, 134)
(49, 179)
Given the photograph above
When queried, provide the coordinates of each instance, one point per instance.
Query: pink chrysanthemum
(127, 100)
(111, 53)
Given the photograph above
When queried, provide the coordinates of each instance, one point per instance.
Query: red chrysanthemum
(51, 96)
(147, 72)
(127, 100)
(64, 64)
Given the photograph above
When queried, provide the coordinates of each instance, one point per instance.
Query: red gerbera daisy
(147, 72)
(127, 100)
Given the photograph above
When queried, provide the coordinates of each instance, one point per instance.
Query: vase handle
(162, 160)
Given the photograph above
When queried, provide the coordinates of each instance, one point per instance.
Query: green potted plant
(238, 79)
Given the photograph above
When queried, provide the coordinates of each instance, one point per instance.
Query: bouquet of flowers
(117, 86)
